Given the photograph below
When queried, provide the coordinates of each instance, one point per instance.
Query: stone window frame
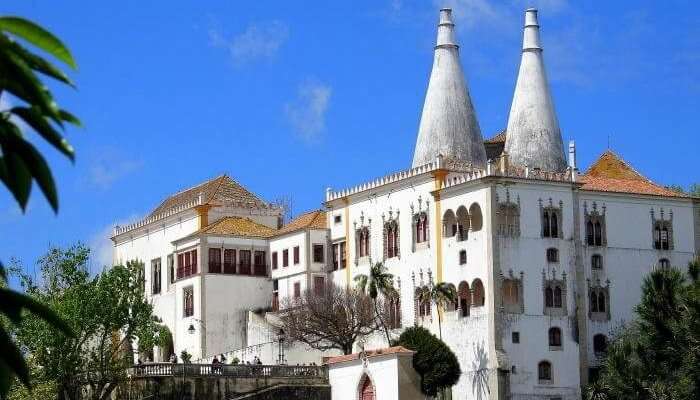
(388, 224)
(363, 230)
(551, 214)
(156, 276)
(545, 372)
(591, 218)
(423, 216)
(597, 289)
(552, 284)
(661, 225)
(519, 306)
(508, 216)
(554, 338)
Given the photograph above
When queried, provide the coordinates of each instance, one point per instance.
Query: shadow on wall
(480, 380)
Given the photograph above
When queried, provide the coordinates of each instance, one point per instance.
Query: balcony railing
(240, 371)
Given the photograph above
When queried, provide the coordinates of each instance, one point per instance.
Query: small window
(285, 257)
(156, 276)
(600, 344)
(596, 262)
(554, 337)
(552, 255)
(297, 290)
(296, 255)
(557, 297)
(318, 253)
(188, 301)
(275, 285)
(245, 262)
(336, 256)
(544, 371)
(336, 219)
(274, 260)
(664, 263)
(171, 268)
(515, 336)
(319, 285)
(215, 260)
(229, 261)
(362, 242)
(462, 257)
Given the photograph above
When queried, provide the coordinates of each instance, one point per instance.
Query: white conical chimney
(448, 125)
(533, 137)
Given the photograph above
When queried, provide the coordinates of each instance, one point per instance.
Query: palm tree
(378, 281)
(441, 294)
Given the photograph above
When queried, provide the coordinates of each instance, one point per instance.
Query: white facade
(535, 292)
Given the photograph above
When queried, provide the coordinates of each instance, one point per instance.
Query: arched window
(476, 218)
(366, 390)
(548, 297)
(544, 371)
(600, 343)
(546, 232)
(510, 292)
(391, 239)
(555, 337)
(552, 255)
(557, 297)
(555, 225)
(462, 223)
(594, 302)
(421, 227)
(601, 301)
(657, 237)
(423, 305)
(664, 238)
(449, 224)
(363, 242)
(598, 234)
(664, 263)
(590, 237)
(479, 295)
(597, 261)
(463, 298)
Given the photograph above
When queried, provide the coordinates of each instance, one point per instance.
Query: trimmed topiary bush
(434, 361)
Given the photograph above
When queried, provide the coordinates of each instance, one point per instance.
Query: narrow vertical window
(274, 260)
(285, 258)
(296, 255)
(229, 261)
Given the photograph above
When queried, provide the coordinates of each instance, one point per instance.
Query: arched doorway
(366, 391)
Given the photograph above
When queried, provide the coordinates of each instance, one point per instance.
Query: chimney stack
(448, 124)
(572, 154)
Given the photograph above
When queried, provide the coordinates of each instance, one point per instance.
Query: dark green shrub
(434, 361)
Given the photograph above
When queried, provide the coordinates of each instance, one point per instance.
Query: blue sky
(290, 97)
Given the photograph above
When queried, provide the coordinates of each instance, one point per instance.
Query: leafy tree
(442, 294)
(107, 312)
(334, 319)
(436, 364)
(378, 281)
(658, 355)
(20, 162)
(185, 357)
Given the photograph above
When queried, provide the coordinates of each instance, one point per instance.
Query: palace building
(548, 259)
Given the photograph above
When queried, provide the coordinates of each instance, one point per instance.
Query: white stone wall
(392, 376)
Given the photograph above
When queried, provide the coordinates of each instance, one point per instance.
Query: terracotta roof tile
(220, 190)
(500, 137)
(238, 226)
(311, 220)
(610, 173)
(370, 353)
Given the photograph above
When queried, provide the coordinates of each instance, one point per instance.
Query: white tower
(448, 125)
(533, 137)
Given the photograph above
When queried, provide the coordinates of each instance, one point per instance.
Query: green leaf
(37, 63)
(70, 118)
(15, 175)
(12, 358)
(39, 37)
(18, 151)
(21, 81)
(36, 120)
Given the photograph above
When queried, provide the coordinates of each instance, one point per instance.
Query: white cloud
(307, 113)
(259, 41)
(110, 166)
(101, 246)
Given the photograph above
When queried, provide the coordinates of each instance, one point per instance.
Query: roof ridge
(625, 163)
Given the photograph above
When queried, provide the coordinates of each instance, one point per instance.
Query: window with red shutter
(296, 255)
(274, 260)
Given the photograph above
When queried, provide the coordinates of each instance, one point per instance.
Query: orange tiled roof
(238, 226)
(370, 353)
(220, 190)
(311, 220)
(499, 138)
(610, 173)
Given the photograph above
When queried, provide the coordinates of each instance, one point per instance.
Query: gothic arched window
(363, 242)
(464, 298)
(546, 232)
(548, 297)
(557, 297)
(391, 239)
(598, 232)
(544, 371)
(479, 297)
(590, 236)
(555, 225)
(366, 390)
(664, 263)
(555, 337)
(601, 301)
